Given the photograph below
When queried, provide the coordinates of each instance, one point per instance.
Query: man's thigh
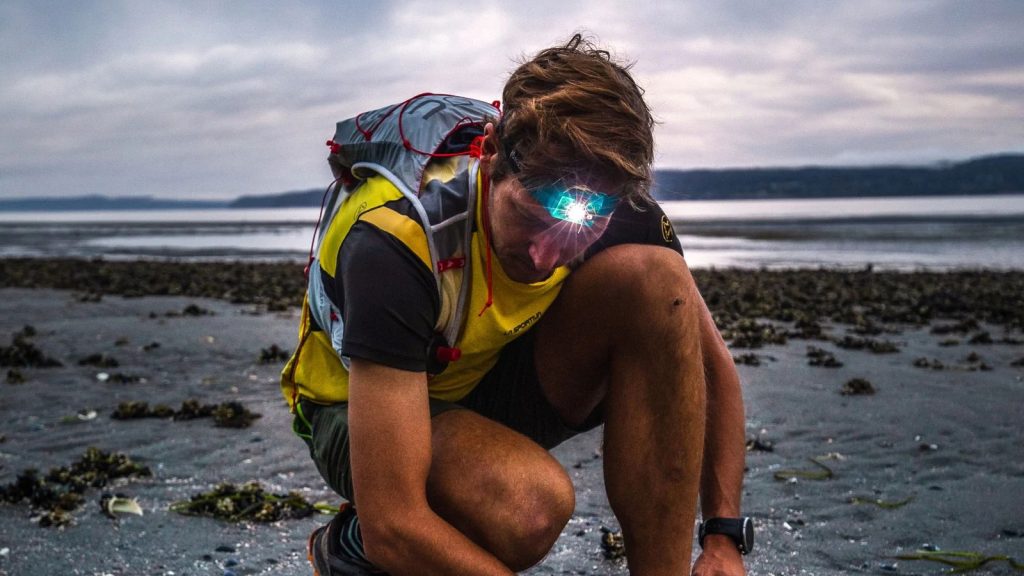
(607, 307)
(509, 394)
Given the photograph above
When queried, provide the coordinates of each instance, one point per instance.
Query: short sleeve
(389, 300)
(647, 225)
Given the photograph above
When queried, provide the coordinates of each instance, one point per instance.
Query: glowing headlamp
(574, 205)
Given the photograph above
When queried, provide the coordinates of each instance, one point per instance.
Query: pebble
(888, 567)
(231, 563)
(929, 547)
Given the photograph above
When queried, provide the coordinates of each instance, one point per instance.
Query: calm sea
(887, 233)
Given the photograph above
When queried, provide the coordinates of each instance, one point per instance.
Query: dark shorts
(510, 394)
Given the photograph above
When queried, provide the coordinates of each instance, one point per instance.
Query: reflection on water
(888, 233)
(843, 208)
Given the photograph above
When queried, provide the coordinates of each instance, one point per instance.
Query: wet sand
(946, 441)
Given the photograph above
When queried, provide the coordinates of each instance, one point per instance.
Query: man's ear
(489, 147)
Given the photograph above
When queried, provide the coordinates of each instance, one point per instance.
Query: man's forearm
(725, 438)
(390, 439)
(426, 544)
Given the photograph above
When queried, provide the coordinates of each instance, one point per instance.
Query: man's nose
(545, 254)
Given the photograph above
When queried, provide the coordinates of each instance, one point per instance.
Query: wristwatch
(741, 530)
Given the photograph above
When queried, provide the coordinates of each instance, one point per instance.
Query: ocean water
(886, 233)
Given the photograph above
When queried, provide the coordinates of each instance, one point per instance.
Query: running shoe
(323, 552)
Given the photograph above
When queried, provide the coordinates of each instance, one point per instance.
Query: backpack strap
(405, 229)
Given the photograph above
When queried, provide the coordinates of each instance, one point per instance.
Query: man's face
(529, 242)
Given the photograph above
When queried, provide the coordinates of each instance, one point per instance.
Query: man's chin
(528, 276)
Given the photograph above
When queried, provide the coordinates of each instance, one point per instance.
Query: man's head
(575, 140)
(573, 112)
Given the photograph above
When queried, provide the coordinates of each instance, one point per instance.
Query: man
(581, 311)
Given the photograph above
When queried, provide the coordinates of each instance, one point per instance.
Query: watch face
(748, 536)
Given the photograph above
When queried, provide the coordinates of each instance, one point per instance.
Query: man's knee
(644, 283)
(634, 271)
(503, 491)
(540, 517)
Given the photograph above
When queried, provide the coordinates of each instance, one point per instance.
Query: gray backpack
(398, 142)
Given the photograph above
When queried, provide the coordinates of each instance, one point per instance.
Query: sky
(213, 100)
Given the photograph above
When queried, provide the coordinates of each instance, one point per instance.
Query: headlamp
(574, 205)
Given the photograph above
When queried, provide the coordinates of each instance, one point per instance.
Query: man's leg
(497, 487)
(623, 337)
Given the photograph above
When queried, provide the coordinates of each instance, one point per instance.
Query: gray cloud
(186, 99)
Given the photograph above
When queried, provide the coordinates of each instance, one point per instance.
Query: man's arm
(724, 450)
(389, 426)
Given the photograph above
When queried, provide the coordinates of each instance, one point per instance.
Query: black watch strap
(740, 530)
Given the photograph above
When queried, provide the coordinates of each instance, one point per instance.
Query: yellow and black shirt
(378, 294)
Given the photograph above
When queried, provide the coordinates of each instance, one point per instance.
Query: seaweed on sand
(824, 358)
(857, 387)
(99, 360)
(248, 502)
(612, 543)
(961, 561)
(225, 415)
(58, 494)
(883, 504)
(747, 359)
(748, 333)
(869, 344)
(824, 472)
(273, 354)
(23, 354)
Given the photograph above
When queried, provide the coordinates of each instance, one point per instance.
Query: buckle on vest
(439, 354)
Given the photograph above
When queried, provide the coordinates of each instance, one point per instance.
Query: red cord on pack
(368, 133)
(485, 190)
(476, 147)
(462, 123)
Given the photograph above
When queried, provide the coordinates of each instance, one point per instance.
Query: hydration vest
(408, 145)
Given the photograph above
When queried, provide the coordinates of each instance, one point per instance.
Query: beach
(913, 443)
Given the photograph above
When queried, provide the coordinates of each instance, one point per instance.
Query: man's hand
(719, 558)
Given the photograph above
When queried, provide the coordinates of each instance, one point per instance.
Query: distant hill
(986, 175)
(300, 198)
(97, 202)
(999, 174)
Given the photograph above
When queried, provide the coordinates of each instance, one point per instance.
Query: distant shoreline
(78, 204)
(953, 233)
(1001, 174)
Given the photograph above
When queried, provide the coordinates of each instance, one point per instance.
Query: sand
(948, 440)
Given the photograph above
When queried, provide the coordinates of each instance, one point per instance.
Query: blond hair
(572, 113)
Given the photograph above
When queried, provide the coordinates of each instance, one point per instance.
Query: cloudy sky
(181, 99)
